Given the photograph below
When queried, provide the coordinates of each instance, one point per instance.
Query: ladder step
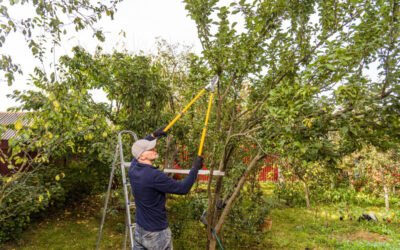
(186, 171)
(126, 164)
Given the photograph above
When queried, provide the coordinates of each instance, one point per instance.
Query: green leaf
(330, 67)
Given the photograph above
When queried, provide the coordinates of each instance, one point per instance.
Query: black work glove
(156, 134)
(159, 133)
(198, 162)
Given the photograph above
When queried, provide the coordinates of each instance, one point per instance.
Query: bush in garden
(28, 196)
(82, 179)
(291, 193)
(244, 224)
(32, 194)
(335, 195)
(184, 214)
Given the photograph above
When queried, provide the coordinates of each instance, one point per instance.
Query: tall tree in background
(133, 84)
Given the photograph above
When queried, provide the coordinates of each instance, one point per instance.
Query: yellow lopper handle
(184, 110)
(210, 87)
(203, 135)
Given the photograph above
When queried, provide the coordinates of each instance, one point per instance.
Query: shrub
(336, 195)
(244, 223)
(45, 187)
(26, 197)
(82, 179)
(291, 193)
(184, 220)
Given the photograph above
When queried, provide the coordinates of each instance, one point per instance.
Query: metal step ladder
(129, 225)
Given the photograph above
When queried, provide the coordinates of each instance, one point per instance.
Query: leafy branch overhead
(45, 24)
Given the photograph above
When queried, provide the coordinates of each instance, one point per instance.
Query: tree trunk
(386, 193)
(211, 203)
(281, 178)
(213, 197)
(307, 194)
(213, 244)
(385, 189)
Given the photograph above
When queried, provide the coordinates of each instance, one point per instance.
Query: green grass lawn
(76, 227)
(321, 228)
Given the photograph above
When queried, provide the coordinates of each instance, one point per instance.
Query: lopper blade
(211, 85)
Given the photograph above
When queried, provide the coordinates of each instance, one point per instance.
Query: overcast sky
(142, 20)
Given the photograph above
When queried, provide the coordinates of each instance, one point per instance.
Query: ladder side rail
(103, 218)
(124, 184)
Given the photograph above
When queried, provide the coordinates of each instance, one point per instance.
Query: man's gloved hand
(159, 132)
(198, 162)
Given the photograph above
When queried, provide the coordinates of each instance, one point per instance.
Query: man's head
(144, 150)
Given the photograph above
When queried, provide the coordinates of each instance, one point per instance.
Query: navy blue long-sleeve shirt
(149, 186)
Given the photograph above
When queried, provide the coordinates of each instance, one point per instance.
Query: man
(149, 187)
